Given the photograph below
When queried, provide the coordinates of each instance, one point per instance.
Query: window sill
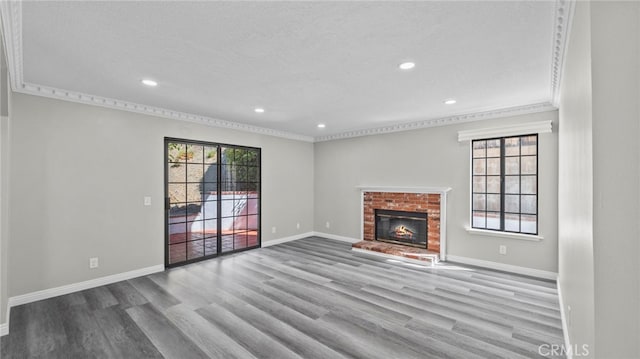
(526, 237)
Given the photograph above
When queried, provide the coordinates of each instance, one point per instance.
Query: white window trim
(494, 132)
(520, 129)
(490, 233)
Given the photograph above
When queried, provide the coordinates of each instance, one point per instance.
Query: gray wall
(615, 42)
(600, 179)
(78, 177)
(429, 158)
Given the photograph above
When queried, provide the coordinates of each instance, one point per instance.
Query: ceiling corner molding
(561, 32)
(502, 131)
(55, 93)
(11, 16)
(470, 117)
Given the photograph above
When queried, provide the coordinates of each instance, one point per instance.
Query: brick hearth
(398, 250)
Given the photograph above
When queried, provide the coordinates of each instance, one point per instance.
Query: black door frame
(167, 203)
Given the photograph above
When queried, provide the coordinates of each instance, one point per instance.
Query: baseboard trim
(74, 287)
(565, 327)
(504, 267)
(336, 237)
(273, 242)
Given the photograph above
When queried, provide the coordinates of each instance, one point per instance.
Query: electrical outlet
(298, 225)
(273, 229)
(147, 201)
(93, 262)
(328, 225)
(503, 250)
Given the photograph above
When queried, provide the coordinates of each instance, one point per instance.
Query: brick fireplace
(429, 201)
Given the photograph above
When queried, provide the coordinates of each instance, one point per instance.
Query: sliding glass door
(212, 202)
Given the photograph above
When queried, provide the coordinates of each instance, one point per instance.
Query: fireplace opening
(408, 228)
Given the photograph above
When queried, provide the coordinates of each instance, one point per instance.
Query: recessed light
(321, 125)
(258, 110)
(149, 83)
(449, 101)
(407, 65)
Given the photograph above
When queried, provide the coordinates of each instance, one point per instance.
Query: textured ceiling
(304, 62)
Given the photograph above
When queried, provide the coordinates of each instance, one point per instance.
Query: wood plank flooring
(311, 298)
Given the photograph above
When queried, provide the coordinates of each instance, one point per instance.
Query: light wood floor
(311, 298)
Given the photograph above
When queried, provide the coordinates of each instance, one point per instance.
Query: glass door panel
(213, 200)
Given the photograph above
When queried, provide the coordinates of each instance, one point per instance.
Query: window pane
(227, 155)
(512, 184)
(493, 166)
(253, 158)
(176, 152)
(529, 204)
(227, 207)
(252, 190)
(479, 184)
(512, 203)
(194, 192)
(479, 202)
(512, 222)
(529, 224)
(241, 174)
(177, 192)
(195, 172)
(240, 156)
(512, 146)
(177, 253)
(493, 148)
(177, 172)
(210, 155)
(194, 153)
(493, 184)
(195, 249)
(529, 164)
(252, 224)
(479, 149)
(252, 174)
(512, 165)
(493, 202)
(210, 246)
(479, 220)
(493, 220)
(529, 185)
(529, 145)
(240, 223)
(479, 166)
(210, 228)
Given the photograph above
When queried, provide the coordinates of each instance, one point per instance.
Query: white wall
(425, 158)
(78, 177)
(600, 179)
(575, 185)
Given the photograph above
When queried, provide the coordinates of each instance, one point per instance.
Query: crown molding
(443, 121)
(60, 94)
(561, 31)
(503, 131)
(11, 16)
